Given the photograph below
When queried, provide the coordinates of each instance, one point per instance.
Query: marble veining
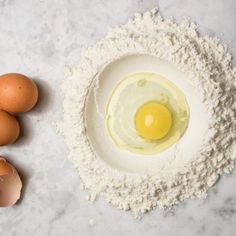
(39, 38)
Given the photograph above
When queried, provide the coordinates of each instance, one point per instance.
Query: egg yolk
(153, 121)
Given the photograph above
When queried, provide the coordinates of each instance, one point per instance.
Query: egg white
(132, 92)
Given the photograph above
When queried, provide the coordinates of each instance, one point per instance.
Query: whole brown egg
(9, 128)
(18, 93)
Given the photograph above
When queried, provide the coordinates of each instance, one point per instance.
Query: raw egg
(10, 184)
(18, 93)
(9, 128)
(146, 113)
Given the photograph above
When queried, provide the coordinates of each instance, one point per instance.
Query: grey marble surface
(38, 38)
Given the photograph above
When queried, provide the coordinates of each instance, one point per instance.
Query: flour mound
(208, 66)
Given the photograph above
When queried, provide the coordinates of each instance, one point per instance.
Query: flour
(207, 64)
(92, 222)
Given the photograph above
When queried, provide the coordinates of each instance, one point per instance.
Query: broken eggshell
(10, 184)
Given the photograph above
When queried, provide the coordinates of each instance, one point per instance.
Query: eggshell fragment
(9, 128)
(5, 168)
(18, 93)
(10, 184)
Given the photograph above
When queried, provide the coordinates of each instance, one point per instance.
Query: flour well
(207, 65)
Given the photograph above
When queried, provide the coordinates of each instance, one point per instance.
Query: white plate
(179, 154)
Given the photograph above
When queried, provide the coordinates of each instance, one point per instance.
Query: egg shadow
(26, 133)
(45, 97)
(24, 119)
(24, 179)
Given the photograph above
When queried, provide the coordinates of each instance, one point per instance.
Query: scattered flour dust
(208, 66)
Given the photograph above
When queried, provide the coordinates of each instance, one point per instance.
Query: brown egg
(10, 184)
(18, 93)
(9, 128)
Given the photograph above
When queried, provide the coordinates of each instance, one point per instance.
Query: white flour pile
(207, 65)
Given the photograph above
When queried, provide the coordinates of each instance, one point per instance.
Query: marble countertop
(38, 38)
